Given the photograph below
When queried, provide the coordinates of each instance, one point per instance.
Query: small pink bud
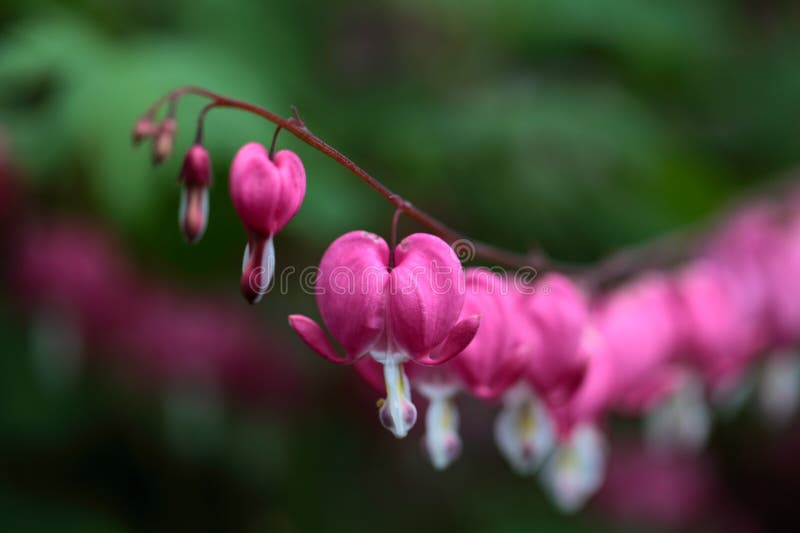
(196, 168)
(195, 179)
(164, 139)
(266, 194)
(143, 129)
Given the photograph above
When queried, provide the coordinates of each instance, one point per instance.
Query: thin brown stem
(297, 127)
(274, 142)
(395, 222)
(201, 119)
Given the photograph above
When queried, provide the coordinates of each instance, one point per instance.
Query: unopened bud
(164, 138)
(195, 179)
(143, 129)
(196, 168)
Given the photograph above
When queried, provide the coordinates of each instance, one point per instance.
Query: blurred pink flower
(77, 272)
(719, 333)
(555, 317)
(75, 269)
(650, 488)
(639, 334)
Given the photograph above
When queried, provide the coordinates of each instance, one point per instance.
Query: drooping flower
(408, 312)
(552, 318)
(494, 360)
(195, 179)
(557, 314)
(638, 334)
(720, 332)
(266, 194)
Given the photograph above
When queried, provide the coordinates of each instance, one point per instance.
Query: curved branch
(297, 127)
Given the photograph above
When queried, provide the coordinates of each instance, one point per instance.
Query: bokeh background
(574, 126)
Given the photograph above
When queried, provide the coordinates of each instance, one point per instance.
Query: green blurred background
(577, 126)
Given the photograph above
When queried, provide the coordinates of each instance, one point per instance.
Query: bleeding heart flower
(639, 331)
(629, 343)
(395, 314)
(557, 316)
(720, 333)
(499, 354)
(266, 194)
(195, 179)
(494, 360)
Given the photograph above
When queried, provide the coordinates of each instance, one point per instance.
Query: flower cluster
(558, 359)
(556, 355)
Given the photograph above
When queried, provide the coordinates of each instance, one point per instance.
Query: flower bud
(143, 129)
(164, 139)
(195, 180)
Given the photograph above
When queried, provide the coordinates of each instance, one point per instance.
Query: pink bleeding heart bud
(195, 179)
(630, 340)
(557, 315)
(144, 129)
(164, 139)
(266, 194)
(406, 313)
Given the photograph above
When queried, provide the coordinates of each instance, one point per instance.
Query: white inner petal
(683, 421)
(523, 430)
(264, 271)
(441, 440)
(397, 414)
(779, 388)
(575, 470)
